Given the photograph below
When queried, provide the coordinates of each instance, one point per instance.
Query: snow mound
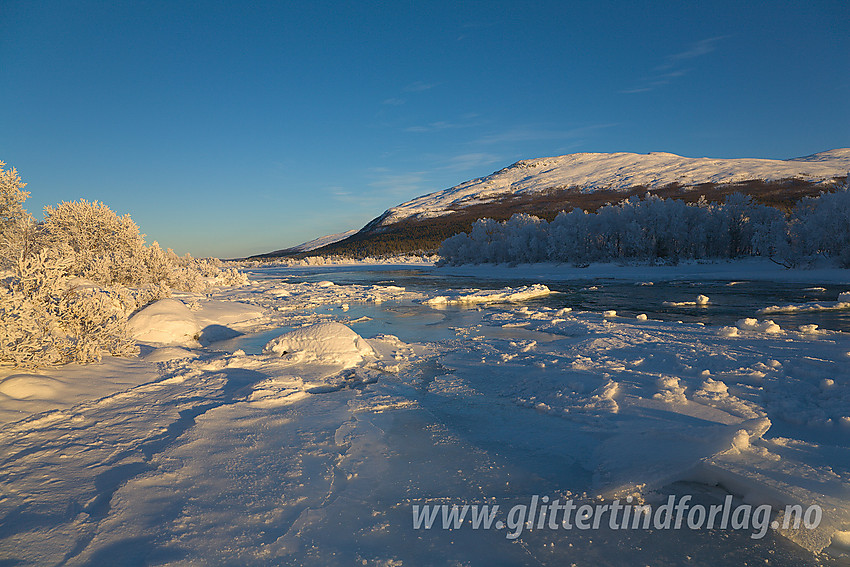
(504, 295)
(30, 386)
(165, 322)
(766, 326)
(328, 343)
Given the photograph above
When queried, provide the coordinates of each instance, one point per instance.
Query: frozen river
(234, 455)
(729, 300)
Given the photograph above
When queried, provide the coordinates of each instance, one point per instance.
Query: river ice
(297, 421)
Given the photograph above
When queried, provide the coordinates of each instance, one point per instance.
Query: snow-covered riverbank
(315, 449)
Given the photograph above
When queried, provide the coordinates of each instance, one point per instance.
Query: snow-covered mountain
(546, 186)
(589, 172)
(311, 245)
(322, 241)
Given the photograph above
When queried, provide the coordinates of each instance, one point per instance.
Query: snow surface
(25, 393)
(232, 452)
(590, 172)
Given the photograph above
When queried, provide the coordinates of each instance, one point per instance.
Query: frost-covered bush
(67, 284)
(197, 274)
(46, 320)
(103, 246)
(109, 249)
(12, 198)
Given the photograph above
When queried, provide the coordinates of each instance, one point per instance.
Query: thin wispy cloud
(465, 162)
(341, 194)
(671, 68)
(433, 127)
(657, 81)
(390, 183)
(383, 187)
(418, 87)
(527, 134)
(466, 121)
(703, 47)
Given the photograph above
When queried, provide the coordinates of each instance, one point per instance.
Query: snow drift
(165, 322)
(325, 343)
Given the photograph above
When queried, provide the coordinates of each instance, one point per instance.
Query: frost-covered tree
(821, 226)
(12, 197)
(655, 229)
(571, 237)
(17, 227)
(526, 239)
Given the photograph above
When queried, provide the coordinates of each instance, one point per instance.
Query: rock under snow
(327, 343)
(165, 322)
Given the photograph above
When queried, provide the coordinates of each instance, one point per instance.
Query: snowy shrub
(109, 249)
(67, 284)
(104, 247)
(45, 320)
(11, 198)
(228, 277)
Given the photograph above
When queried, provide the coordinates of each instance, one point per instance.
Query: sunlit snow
(297, 420)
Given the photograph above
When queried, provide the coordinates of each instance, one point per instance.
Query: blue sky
(232, 128)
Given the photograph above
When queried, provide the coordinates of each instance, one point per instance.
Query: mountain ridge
(620, 171)
(545, 186)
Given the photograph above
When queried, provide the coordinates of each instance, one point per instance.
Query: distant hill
(309, 246)
(546, 186)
